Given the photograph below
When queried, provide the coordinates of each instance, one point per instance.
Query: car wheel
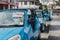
(39, 37)
(47, 29)
(42, 28)
(49, 19)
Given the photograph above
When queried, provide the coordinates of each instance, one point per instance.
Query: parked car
(19, 24)
(44, 25)
(47, 15)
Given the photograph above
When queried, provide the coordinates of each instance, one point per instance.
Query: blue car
(19, 24)
(43, 24)
(47, 15)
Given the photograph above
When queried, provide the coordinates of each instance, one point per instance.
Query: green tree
(44, 7)
(40, 6)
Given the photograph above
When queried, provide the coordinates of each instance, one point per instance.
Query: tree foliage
(40, 6)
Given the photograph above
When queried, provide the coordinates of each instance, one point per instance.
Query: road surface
(54, 33)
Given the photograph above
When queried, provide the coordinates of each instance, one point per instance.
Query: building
(46, 2)
(8, 4)
(28, 3)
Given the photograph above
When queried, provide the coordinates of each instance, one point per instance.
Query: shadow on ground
(53, 38)
(56, 19)
(54, 27)
(44, 39)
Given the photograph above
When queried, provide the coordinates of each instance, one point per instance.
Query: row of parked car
(22, 24)
(43, 16)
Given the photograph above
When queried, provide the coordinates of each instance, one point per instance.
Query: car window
(39, 14)
(13, 18)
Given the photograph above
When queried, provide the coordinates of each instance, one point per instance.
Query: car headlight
(16, 37)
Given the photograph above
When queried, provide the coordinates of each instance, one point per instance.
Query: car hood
(6, 33)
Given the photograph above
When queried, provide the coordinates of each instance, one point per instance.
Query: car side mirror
(31, 21)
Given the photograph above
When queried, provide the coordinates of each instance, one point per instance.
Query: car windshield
(11, 18)
(39, 14)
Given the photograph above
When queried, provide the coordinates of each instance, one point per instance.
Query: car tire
(39, 37)
(49, 19)
(47, 29)
(42, 28)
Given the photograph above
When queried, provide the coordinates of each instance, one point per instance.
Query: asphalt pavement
(54, 32)
(54, 29)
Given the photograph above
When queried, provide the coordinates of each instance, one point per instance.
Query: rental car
(19, 24)
(47, 15)
(42, 21)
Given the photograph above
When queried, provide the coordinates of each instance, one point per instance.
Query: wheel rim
(43, 28)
